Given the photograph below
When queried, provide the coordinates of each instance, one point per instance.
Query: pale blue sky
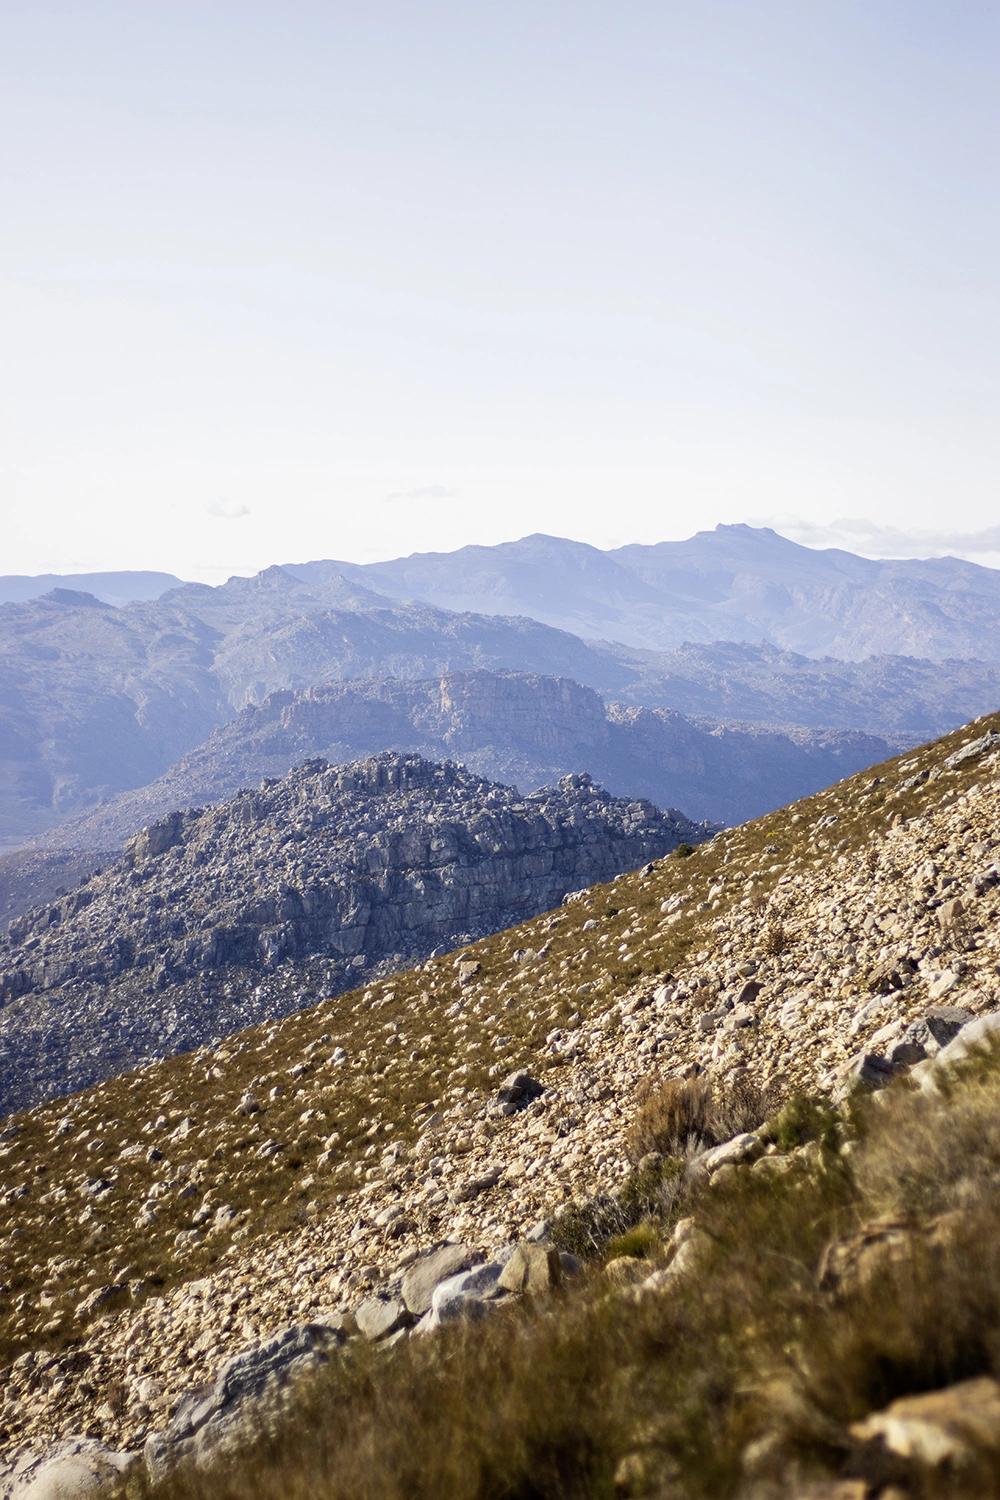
(315, 279)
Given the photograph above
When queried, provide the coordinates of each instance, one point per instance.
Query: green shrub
(640, 1241)
(801, 1119)
(653, 1191)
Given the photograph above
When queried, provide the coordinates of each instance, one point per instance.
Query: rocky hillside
(29, 877)
(215, 919)
(295, 1172)
(517, 728)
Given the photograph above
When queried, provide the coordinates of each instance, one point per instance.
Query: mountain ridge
(215, 918)
(736, 582)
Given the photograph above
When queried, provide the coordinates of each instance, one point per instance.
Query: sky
(343, 280)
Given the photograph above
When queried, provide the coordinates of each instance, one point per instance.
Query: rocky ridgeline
(451, 1110)
(517, 728)
(219, 918)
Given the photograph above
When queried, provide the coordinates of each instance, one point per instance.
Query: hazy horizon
(981, 548)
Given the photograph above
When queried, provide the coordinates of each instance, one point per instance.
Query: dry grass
(679, 1116)
(749, 1368)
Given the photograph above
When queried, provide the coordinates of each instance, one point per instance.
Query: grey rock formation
(207, 1421)
(214, 920)
(431, 1270)
(29, 877)
(76, 1468)
(518, 728)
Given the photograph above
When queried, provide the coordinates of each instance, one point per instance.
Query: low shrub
(680, 1116)
(640, 1241)
(801, 1119)
(653, 1191)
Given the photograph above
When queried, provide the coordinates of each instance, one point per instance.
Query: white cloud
(228, 510)
(874, 540)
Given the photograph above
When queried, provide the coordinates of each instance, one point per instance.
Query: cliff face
(215, 919)
(550, 714)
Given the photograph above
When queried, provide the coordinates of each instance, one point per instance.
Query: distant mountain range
(97, 700)
(110, 588)
(736, 583)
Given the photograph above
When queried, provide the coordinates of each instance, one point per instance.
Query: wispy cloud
(228, 510)
(424, 492)
(857, 535)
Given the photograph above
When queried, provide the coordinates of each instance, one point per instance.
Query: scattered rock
(430, 1271)
(531, 1269)
(517, 1090)
(378, 1317)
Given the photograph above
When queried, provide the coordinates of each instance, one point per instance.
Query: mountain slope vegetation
(301, 1165)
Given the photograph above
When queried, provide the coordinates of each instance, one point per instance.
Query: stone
(378, 1317)
(945, 1429)
(517, 1090)
(210, 1418)
(864, 1071)
(975, 1035)
(104, 1299)
(76, 1468)
(430, 1271)
(467, 1295)
(926, 1036)
(735, 1153)
(972, 751)
(531, 1269)
(949, 913)
(944, 984)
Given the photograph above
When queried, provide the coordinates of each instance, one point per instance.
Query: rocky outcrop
(515, 727)
(215, 919)
(29, 877)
